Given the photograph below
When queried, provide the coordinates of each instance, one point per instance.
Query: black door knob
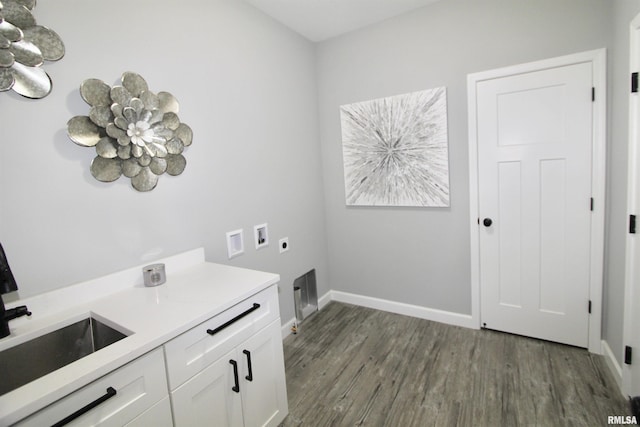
(487, 222)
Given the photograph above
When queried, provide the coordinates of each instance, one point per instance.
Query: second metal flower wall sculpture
(24, 46)
(136, 133)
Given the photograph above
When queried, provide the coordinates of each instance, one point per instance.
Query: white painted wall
(247, 88)
(421, 256)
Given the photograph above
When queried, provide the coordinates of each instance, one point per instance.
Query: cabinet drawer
(194, 350)
(138, 385)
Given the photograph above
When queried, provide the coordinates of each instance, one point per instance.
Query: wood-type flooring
(351, 365)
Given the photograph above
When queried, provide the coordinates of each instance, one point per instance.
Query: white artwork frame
(396, 150)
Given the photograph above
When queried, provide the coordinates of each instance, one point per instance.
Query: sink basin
(33, 359)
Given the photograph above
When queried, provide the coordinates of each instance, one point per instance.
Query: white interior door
(631, 371)
(534, 139)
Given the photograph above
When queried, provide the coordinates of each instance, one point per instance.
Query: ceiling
(319, 20)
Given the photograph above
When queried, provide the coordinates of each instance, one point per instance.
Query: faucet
(8, 284)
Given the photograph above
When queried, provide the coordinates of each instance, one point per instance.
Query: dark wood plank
(352, 365)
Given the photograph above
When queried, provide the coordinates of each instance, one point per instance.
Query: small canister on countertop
(154, 275)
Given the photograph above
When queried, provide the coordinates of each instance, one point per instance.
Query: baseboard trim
(324, 300)
(613, 365)
(441, 316)
(286, 327)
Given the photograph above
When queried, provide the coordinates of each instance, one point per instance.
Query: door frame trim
(598, 178)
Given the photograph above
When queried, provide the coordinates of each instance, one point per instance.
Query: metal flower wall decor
(136, 133)
(24, 46)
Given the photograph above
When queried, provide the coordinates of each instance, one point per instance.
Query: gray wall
(247, 88)
(422, 256)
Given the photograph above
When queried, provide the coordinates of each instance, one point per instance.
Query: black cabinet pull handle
(487, 222)
(110, 393)
(235, 319)
(248, 354)
(236, 387)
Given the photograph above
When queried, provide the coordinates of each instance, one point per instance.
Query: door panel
(631, 372)
(534, 167)
(510, 201)
(516, 126)
(552, 235)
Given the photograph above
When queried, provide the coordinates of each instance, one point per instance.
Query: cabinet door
(208, 399)
(262, 381)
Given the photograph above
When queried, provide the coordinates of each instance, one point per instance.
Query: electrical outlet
(283, 244)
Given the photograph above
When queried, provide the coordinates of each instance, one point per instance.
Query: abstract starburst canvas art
(395, 150)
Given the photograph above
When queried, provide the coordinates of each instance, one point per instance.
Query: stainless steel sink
(33, 359)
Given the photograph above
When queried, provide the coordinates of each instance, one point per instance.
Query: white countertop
(194, 292)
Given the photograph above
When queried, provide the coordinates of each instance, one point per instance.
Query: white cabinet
(245, 387)
(116, 399)
(264, 395)
(159, 415)
(207, 397)
(226, 371)
(229, 371)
